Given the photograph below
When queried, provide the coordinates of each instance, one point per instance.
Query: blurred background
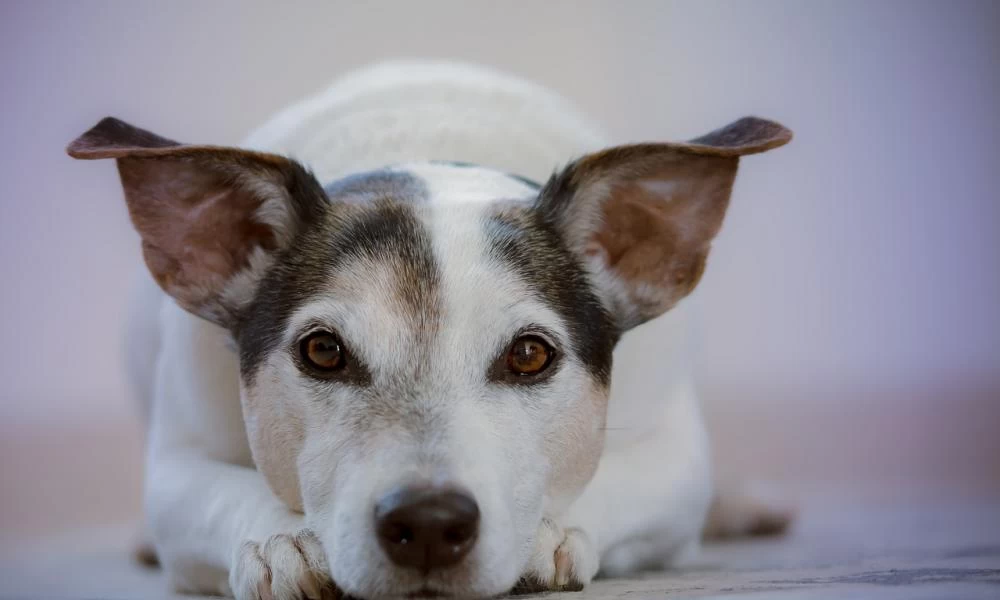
(849, 321)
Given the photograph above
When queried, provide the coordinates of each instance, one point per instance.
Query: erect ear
(211, 218)
(642, 217)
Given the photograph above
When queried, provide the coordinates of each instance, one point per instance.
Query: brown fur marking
(194, 206)
(652, 210)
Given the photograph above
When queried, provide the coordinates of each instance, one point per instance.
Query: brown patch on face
(574, 447)
(384, 241)
(530, 246)
(368, 238)
(415, 272)
(196, 208)
(276, 433)
(377, 215)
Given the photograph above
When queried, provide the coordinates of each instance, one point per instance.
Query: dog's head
(425, 350)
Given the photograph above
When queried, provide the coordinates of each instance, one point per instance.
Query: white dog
(390, 376)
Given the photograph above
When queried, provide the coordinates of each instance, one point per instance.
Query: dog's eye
(322, 351)
(529, 355)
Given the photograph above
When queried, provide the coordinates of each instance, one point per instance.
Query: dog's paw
(283, 567)
(563, 560)
(738, 512)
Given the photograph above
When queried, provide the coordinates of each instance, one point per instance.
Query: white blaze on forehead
(450, 184)
(483, 302)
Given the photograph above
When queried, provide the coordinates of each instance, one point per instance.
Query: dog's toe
(284, 567)
(563, 560)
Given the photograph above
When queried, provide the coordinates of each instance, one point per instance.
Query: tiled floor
(877, 548)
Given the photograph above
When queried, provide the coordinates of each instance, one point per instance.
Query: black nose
(426, 528)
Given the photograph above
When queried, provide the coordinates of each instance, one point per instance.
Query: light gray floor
(838, 549)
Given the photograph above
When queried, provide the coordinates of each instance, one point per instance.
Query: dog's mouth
(428, 592)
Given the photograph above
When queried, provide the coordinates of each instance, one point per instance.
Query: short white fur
(209, 509)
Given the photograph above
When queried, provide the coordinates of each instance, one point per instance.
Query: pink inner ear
(656, 231)
(638, 236)
(198, 229)
(660, 206)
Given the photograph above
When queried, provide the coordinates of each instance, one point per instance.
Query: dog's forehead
(435, 182)
(466, 183)
(428, 248)
(396, 184)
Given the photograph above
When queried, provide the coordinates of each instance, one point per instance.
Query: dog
(376, 348)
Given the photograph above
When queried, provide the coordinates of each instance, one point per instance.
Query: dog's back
(399, 112)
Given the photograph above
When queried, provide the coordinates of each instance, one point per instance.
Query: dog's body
(262, 481)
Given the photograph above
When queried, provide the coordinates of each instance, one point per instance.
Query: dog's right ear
(643, 216)
(211, 218)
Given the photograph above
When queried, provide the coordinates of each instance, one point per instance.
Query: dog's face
(425, 350)
(428, 332)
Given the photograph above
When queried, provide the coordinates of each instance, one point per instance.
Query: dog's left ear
(643, 217)
(212, 219)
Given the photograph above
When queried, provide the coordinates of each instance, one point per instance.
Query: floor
(874, 547)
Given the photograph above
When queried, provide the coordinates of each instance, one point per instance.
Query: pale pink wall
(864, 256)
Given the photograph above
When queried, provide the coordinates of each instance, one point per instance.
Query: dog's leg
(141, 348)
(215, 523)
(201, 512)
(740, 511)
(220, 530)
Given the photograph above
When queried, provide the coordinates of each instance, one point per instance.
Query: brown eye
(322, 351)
(529, 355)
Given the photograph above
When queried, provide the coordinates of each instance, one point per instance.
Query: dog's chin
(461, 583)
(429, 592)
(433, 587)
(420, 592)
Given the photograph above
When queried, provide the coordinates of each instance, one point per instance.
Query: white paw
(284, 567)
(563, 560)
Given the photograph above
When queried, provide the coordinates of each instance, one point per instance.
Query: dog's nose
(426, 528)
